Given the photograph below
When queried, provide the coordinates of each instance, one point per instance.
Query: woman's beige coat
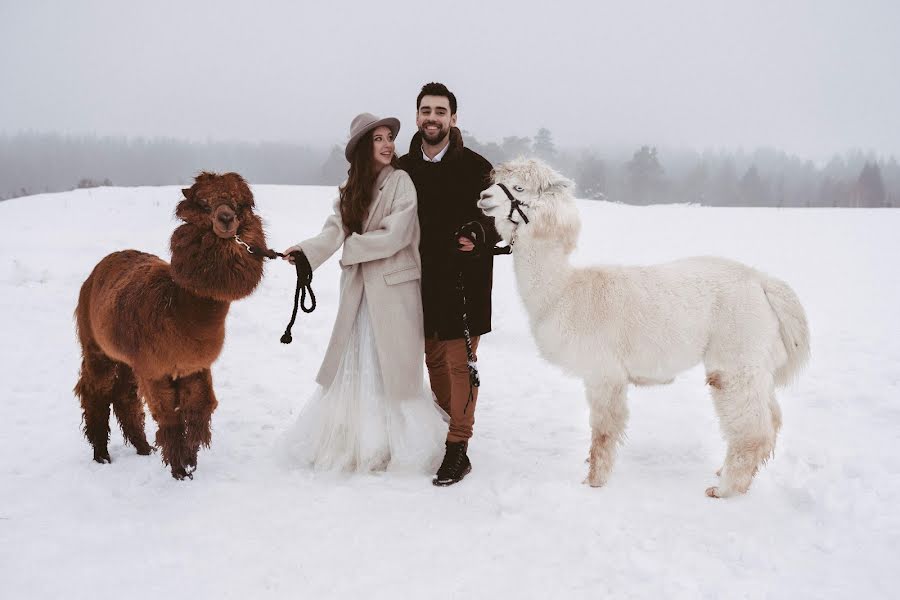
(384, 263)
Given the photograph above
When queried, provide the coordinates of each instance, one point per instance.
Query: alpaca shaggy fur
(616, 325)
(150, 329)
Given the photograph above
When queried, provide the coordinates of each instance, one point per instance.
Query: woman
(373, 410)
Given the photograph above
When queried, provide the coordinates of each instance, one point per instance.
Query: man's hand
(465, 244)
(470, 240)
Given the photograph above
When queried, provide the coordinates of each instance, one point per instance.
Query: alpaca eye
(518, 188)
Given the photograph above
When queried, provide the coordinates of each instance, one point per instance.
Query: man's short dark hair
(437, 89)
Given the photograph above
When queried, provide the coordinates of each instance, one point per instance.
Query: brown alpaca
(149, 329)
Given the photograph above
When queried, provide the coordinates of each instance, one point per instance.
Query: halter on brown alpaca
(152, 329)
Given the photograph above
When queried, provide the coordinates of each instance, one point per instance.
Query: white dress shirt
(438, 156)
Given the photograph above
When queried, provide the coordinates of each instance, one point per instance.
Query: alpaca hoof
(713, 492)
(102, 456)
(180, 473)
(144, 450)
(594, 483)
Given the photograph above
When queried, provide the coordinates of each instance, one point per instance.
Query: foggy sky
(812, 78)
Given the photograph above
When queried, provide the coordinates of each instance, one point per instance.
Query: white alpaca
(615, 325)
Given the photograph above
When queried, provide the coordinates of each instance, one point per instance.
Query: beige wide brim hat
(364, 123)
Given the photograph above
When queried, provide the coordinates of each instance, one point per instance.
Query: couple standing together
(410, 230)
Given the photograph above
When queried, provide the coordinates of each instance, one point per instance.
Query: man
(456, 241)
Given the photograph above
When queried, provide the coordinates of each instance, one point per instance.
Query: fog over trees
(759, 103)
(32, 163)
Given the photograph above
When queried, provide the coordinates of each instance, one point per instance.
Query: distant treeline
(33, 163)
(764, 177)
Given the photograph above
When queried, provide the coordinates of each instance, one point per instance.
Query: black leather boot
(456, 465)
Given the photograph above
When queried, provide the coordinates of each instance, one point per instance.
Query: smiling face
(220, 203)
(382, 147)
(434, 120)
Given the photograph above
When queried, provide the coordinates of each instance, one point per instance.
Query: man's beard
(439, 137)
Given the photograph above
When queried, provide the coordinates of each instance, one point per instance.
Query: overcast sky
(809, 77)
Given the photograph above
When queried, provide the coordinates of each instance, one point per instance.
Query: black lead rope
(304, 283)
(474, 380)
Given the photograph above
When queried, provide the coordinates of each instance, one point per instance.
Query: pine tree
(591, 178)
(890, 172)
(490, 150)
(544, 147)
(870, 186)
(725, 185)
(645, 176)
(752, 190)
(694, 187)
(515, 147)
(334, 171)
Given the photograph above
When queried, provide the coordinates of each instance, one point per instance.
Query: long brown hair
(356, 194)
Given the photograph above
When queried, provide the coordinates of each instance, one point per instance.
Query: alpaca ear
(204, 176)
(545, 178)
(558, 184)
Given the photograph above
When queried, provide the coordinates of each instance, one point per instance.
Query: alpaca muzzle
(225, 222)
(486, 203)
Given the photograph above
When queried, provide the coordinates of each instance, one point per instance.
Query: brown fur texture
(714, 380)
(151, 329)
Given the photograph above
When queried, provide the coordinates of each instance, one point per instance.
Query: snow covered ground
(821, 520)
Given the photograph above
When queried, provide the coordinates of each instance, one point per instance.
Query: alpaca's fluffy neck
(211, 268)
(542, 271)
(195, 314)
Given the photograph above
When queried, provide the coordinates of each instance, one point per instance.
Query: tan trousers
(449, 374)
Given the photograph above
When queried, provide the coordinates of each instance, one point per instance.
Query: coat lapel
(376, 209)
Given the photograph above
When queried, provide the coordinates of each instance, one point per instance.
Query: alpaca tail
(792, 326)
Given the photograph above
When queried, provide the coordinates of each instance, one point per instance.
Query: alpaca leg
(163, 400)
(94, 389)
(198, 401)
(609, 415)
(129, 409)
(743, 403)
(775, 409)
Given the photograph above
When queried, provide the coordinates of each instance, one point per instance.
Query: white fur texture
(617, 325)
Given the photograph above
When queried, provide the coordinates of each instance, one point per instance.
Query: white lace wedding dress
(352, 426)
